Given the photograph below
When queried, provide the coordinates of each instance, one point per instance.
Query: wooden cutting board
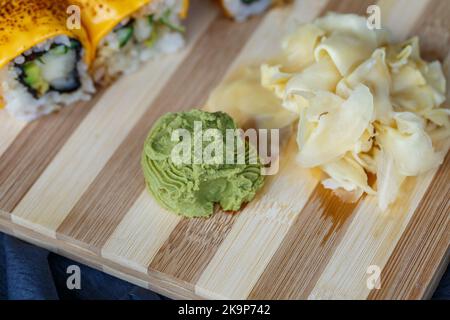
(72, 183)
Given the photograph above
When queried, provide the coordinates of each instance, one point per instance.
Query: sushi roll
(43, 64)
(126, 33)
(241, 10)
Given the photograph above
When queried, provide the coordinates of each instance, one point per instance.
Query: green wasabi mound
(192, 188)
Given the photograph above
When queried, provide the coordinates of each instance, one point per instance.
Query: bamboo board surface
(72, 183)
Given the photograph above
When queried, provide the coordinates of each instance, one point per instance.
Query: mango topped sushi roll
(126, 33)
(43, 64)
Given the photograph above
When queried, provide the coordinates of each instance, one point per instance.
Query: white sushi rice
(241, 11)
(113, 61)
(23, 106)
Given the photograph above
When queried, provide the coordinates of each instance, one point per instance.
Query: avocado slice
(165, 20)
(32, 77)
(124, 34)
(59, 50)
(150, 42)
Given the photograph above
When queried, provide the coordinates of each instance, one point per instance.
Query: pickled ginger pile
(365, 105)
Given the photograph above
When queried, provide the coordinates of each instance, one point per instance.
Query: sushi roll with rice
(43, 64)
(127, 33)
(241, 10)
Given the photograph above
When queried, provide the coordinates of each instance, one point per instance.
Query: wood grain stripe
(119, 184)
(434, 30)
(349, 6)
(9, 130)
(5, 215)
(371, 238)
(5, 222)
(191, 246)
(410, 16)
(124, 276)
(33, 149)
(306, 249)
(140, 234)
(158, 282)
(417, 255)
(95, 140)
